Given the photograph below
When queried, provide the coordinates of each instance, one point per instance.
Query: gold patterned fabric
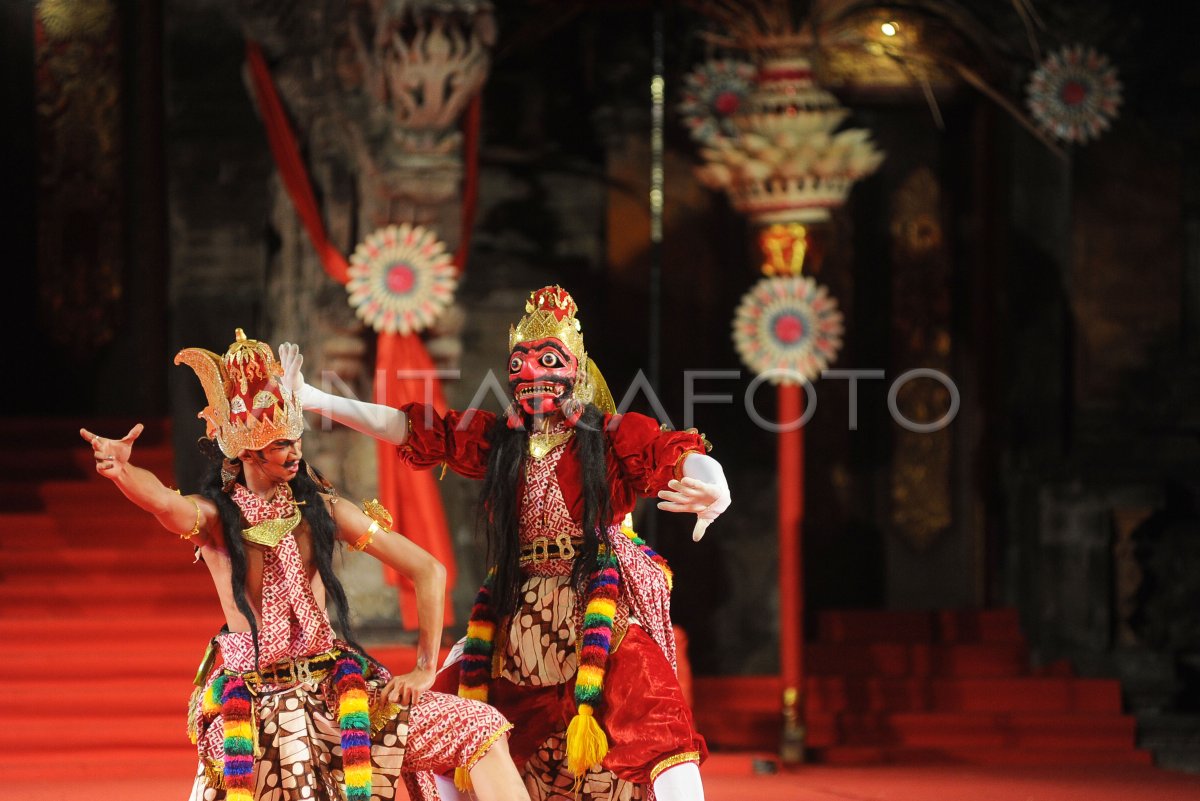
(301, 743)
(538, 648)
(302, 749)
(540, 645)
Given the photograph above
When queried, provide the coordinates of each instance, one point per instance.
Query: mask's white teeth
(541, 389)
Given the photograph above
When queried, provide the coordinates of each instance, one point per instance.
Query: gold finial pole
(791, 744)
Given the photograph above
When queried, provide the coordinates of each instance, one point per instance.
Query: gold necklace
(271, 532)
(542, 443)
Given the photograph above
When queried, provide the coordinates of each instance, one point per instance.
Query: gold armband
(678, 471)
(381, 519)
(377, 512)
(196, 528)
(367, 538)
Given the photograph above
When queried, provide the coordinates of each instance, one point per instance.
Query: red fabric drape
(471, 125)
(412, 496)
(290, 165)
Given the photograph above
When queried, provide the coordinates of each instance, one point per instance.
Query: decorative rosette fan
(1074, 94)
(789, 327)
(712, 93)
(401, 279)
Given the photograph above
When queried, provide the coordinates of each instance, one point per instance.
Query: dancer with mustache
(570, 636)
(287, 710)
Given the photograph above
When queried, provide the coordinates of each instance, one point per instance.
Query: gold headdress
(248, 408)
(550, 312)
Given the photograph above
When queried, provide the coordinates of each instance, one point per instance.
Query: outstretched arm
(427, 574)
(381, 422)
(189, 516)
(703, 491)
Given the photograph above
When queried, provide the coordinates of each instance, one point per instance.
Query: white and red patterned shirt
(291, 622)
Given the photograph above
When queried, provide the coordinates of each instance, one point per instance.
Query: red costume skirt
(644, 713)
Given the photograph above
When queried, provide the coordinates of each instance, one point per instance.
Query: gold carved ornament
(270, 533)
(381, 519)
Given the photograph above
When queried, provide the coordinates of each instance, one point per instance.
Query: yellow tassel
(474, 693)
(462, 780)
(193, 718)
(587, 744)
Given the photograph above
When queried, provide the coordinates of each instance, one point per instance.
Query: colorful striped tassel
(354, 719)
(239, 738)
(475, 666)
(587, 744)
(211, 703)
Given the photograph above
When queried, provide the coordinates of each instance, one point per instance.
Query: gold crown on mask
(550, 312)
(248, 408)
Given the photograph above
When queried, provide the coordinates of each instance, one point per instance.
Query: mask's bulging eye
(515, 364)
(550, 360)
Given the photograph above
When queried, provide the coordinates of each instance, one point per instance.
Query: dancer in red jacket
(571, 635)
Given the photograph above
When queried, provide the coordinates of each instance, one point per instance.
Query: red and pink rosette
(1074, 94)
(401, 279)
(788, 327)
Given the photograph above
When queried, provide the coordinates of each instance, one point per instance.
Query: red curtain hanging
(411, 495)
(290, 165)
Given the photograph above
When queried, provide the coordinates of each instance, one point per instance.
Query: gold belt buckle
(541, 549)
(566, 549)
(302, 671)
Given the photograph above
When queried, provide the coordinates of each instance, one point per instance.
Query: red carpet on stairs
(103, 609)
(927, 687)
(105, 617)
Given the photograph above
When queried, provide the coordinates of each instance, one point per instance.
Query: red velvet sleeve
(459, 439)
(647, 456)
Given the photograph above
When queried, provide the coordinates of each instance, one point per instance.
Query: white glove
(291, 360)
(380, 422)
(703, 491)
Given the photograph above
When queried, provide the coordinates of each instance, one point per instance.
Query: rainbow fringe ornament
(211, 703)
(587, 745)
(239, 737)
(653, 555)
(354, 719)
(475, 666)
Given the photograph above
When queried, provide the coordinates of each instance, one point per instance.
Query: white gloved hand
(381, 422)
(703, 491)
(291, 360)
